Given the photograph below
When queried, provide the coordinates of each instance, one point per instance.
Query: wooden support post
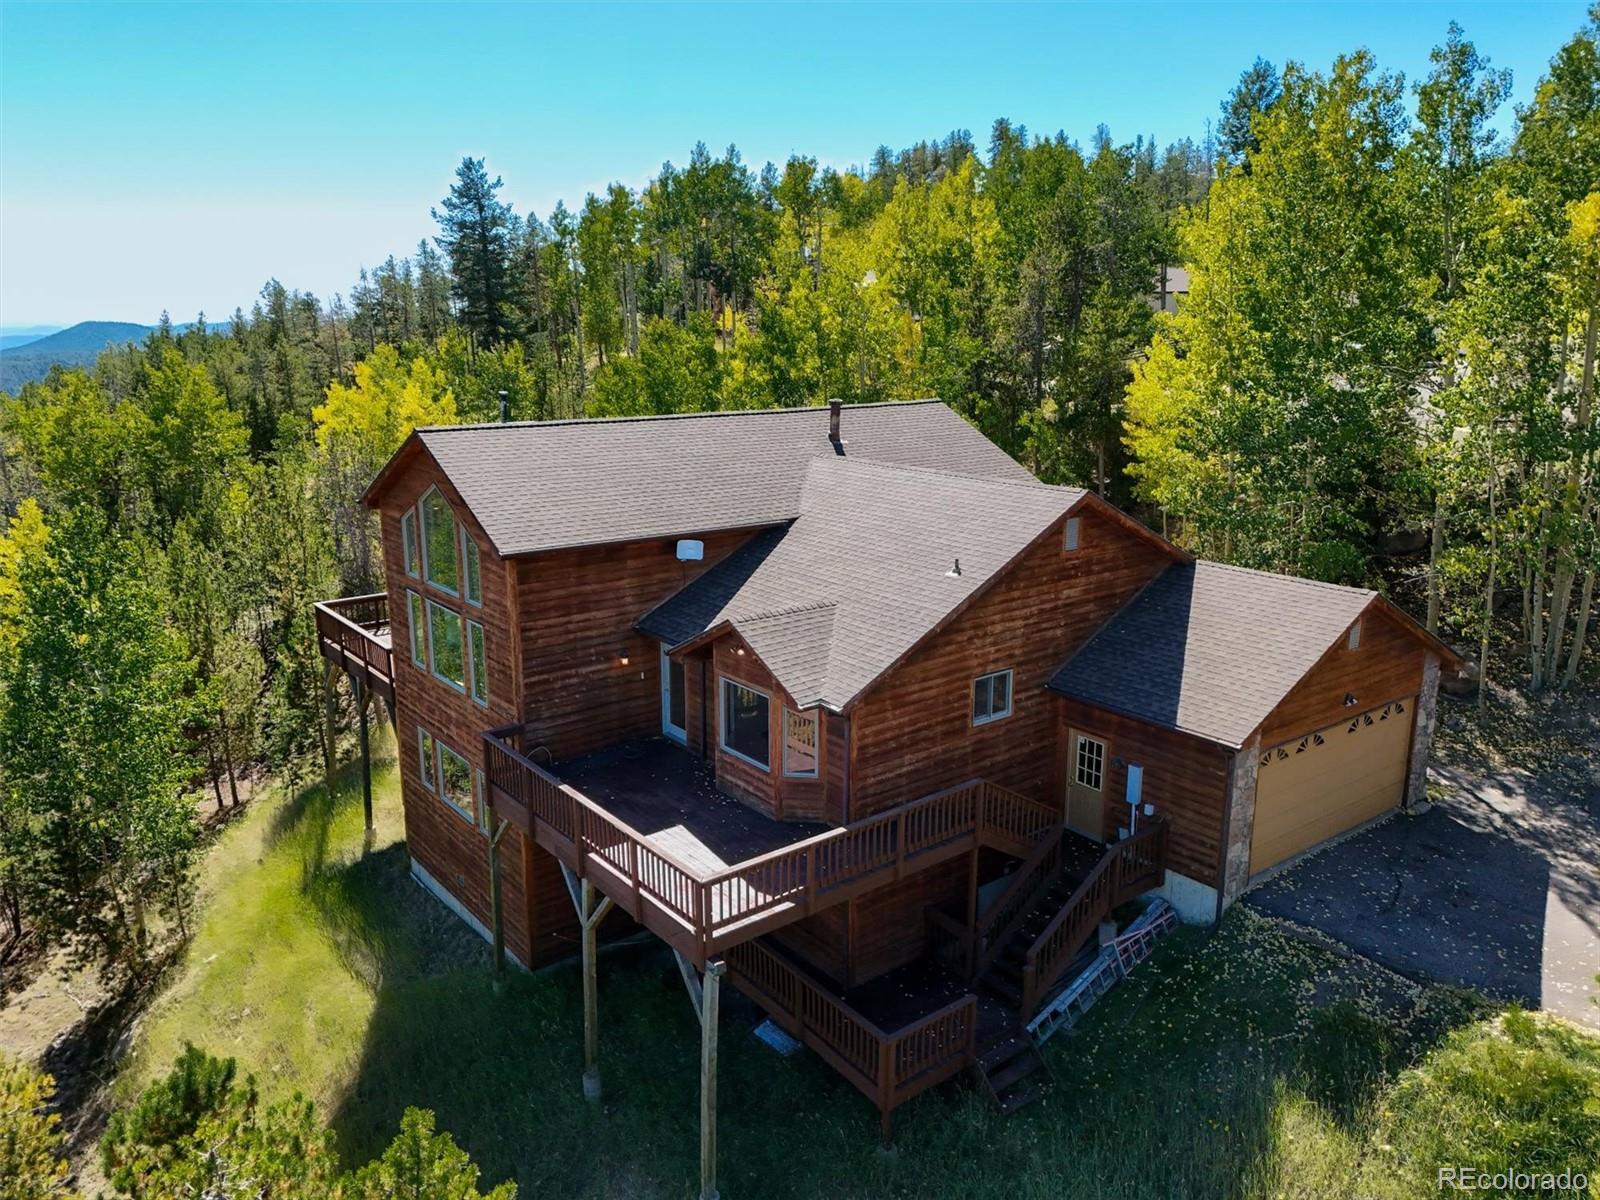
(363, 703)
(496, 908)
(329, 711)
(710, 995)
(591, 911)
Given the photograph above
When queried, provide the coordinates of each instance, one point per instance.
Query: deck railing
(889, 1068)
(1029, 882)
(1131, 866)
(353, 634)
(702, 914)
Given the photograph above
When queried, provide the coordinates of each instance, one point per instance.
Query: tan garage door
(1329, 781)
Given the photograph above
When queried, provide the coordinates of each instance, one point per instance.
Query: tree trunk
(1435, 551)
(1488, 591)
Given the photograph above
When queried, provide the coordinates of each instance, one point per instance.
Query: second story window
(746, 714)
(445, 642)
(991, 697)
(455, 782)
(419, 638)
(408, 542)
(439, 543)
(480, 665)
(472, 570)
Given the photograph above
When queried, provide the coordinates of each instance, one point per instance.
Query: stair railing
(1132, 866)
(1029, 883)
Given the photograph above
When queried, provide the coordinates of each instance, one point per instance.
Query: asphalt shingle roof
(551, 484)
(866, 570)
(1210, 649)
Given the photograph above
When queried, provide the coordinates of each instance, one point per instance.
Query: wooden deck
(700, 908)
(353, 634)
(670, 797)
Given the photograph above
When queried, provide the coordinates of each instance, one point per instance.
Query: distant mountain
(12, 336)
(76, 346)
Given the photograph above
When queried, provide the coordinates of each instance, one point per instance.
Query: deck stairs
(1107, 968)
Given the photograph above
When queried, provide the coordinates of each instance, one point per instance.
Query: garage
(1330, 781)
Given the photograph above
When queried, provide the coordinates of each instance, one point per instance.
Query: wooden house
(846, 707)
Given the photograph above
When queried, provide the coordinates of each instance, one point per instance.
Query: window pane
(677, 696)
(1000, 694)
(455, 776)
(419, 645)
(474, 591)
(425, 758)
(408, 541)
(439, 541)
(800, 743)
(744, 720)
(980, 698)
(480, 664)
(444, 634)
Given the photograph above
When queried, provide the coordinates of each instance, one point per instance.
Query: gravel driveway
(1496, 886)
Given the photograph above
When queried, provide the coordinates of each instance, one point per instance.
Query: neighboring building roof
(863, 574)
(1210, 649)
(546, 485)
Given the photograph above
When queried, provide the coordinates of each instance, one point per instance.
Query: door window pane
(677, 696)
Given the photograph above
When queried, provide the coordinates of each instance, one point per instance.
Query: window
(480, 663)
(408, 542)
(439, 543)
(444, 638)
(745, 723)
(1354, 641)
(674, 698)
(425, 761)
(991, 697)
(1070, 536)
(1090, 767)
(455, 782)
(419, 642)
(800, 744)
(472, 569)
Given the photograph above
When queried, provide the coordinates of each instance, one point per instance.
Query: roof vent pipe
(835, 407)
(505, 406)
(955, 571)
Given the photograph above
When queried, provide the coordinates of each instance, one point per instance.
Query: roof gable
(549, 485)
(1210, 649)
(878, 558)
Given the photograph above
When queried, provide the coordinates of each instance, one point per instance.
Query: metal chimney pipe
(835, 407)
(505, 406)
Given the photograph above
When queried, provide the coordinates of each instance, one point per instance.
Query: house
(851, 711)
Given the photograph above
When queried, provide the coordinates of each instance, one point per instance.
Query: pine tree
(476, 229)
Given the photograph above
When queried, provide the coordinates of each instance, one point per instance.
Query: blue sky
(176, 156)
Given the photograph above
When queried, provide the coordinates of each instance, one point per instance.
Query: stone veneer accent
(1422, 733)
(1241, 819)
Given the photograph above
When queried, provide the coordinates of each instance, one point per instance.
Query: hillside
(77, 345)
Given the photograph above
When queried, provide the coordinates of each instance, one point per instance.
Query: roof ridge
(784, 610)
(1286, 577)
(558, 422)
(878, 464)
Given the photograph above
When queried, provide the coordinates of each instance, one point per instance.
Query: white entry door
(674, 699)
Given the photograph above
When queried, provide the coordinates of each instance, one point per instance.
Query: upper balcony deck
(644, 823)
(354, 635)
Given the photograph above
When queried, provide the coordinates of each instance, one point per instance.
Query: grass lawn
(1241, 1063)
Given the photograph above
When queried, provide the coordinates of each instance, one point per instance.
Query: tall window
(439, 543)
(800, 743)
(480, 664)
(746, 724)
(419, 637)
(991, 697)
(425, 759)
(472, 569)
(408, 542)
(455, 782)
(444, 638)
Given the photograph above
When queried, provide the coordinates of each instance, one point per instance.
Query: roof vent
(954, 572)
(835, 407)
